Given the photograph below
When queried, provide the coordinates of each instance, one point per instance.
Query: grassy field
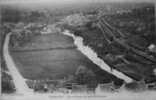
(48, 41)
(57, 59)
(49, 63)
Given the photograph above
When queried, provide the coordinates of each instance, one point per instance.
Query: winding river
(88, 52)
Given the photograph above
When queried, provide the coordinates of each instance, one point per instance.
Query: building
(105, 87)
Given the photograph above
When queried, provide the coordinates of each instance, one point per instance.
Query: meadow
(53, 56)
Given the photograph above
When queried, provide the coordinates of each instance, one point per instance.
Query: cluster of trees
(15, 15)
(7, 84)
(23, 33)
(85, 76)
(140, 21)
(10, 15)
(75, 20)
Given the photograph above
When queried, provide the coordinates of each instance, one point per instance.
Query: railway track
(111, 34)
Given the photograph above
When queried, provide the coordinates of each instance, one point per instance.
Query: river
(88, 52)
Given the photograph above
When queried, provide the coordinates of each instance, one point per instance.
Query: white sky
(64, 1)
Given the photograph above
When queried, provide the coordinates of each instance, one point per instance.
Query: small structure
(105, 87)
(152, 48)
(79, 88)
(63, 90)
(154, 71)
(51, 28)
(151, 86)
(136, 86)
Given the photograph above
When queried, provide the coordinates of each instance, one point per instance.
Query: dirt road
(19, 81)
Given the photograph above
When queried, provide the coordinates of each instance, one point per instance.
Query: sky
(57, 3)
(67, 1)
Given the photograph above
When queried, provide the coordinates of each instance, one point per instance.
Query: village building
(152, 48)
(105, 87)
(136, 86)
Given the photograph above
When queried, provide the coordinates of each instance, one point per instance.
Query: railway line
(111, 34)
(133, 56)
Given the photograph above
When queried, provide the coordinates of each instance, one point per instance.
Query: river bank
(92, 55)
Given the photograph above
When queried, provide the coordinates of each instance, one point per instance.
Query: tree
(86, 76)
(80, 74)
(90, 79)
(10, 15)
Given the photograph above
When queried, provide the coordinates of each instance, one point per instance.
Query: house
(151, 86)
(136, 86)
(105, 87)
